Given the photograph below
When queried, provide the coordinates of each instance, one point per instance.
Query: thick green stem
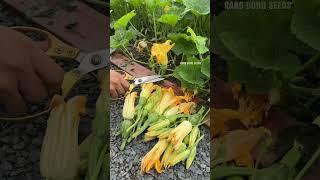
(310, 63)
(140, 130)
(123, 144)
(314, 157)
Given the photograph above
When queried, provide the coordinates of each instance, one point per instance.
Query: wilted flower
(141, 46)
(128, 107)
(152, 158)
(179, 133)
(188, 95)
(160, 51)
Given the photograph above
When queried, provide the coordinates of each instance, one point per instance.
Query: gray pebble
(6, 140)
(21, 162)
(37, 141)
(6, 166)
(15, 140)
(19, 146)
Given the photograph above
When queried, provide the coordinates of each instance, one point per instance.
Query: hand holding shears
(88, 61)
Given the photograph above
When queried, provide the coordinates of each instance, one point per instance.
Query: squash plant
(182, 27)
(272, 53)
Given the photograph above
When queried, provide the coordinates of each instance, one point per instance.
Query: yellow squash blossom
(237, 146)
(152, 158)
(177, 135)
(160, 51)
(128, 107)
(250, 112)
(168, 99)
(147, 89)
(184, 108)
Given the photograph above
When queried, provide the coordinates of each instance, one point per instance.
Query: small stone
(19, 146)
(207, 169)
(37, 141)
(34, 156)
(21, 162)
(180, 175)
(26, 139)
(11, 158)
(6, 140)
(10, 151)
(15, 140)
(24, 154)
(203, 166)
(6, 166)
(16, 172)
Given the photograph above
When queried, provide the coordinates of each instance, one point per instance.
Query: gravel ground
(20, 142)
(126, 164)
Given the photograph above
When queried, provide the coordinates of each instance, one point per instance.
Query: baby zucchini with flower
(128, 116)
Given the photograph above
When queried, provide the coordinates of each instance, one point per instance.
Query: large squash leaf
(261, 38)
(306, 22)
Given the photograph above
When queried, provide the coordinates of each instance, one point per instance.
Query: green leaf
(122, 38)
(258, 81)
(183, 44)
(177, 10)
(170, 19)
(219, 47)
(199, 41)
(189, 75)
(124, 20)
(199, 7)
(205, 67)
(261, 38)
(265, 55)
(306, 22)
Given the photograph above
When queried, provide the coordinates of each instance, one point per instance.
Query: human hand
(118, 85)
(27, 74)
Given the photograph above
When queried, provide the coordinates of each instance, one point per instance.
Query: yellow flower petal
(160, 51)
(152, 158)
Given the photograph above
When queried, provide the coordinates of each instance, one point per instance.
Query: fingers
(118, 85)
(10, 96)
(49, 72)
(113, 92)
(120, 89)
(31, 86)
(125, 84)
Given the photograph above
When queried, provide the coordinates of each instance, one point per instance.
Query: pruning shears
(140, 80)
(88, 61)
(55, 48)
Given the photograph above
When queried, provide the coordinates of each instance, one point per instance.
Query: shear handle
(56, 48)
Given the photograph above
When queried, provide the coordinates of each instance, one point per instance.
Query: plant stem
(310, 63)
(136, 29)
(154, 26)
(168, 75)
(314, 157)
(302, 90)
(126, 52)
